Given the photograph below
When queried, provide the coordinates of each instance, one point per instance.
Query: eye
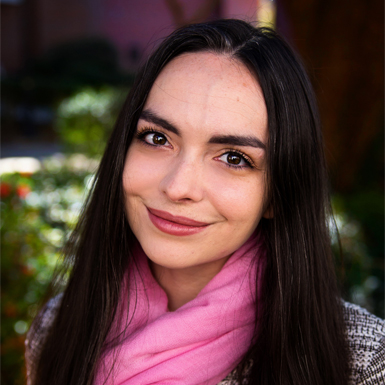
(154, 138)
(234, 159)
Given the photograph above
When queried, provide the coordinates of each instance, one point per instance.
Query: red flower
(25, 270)
(23, 190)
(5, 189)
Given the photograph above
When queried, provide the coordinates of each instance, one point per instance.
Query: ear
(269, 212)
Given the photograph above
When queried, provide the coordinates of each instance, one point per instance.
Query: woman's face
(194, 176)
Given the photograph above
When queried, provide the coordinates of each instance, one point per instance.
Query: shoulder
(366, 340)
(38, 332)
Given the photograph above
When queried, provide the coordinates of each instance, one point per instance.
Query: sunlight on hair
(266, 13)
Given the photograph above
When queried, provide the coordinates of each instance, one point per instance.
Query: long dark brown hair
(300, 338)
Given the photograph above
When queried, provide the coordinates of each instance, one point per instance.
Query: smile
(175, 225)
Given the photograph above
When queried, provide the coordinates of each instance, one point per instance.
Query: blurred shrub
(85, 120)
(87, 61)
(37, 213)
(65, 69)
(359, 218)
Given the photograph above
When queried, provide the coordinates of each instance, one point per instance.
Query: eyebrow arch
(251, 141)
(150, 117)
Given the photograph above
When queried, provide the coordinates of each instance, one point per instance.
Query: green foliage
(91, 61)
(85, 120)
(37, 213)
(360, 220)
(65, 69)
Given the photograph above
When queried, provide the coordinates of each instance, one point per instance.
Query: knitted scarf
(199, 343)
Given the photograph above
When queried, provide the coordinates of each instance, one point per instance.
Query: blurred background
(66, 66)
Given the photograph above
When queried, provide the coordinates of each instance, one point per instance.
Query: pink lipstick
(175, 225)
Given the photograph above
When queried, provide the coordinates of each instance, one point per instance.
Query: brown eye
(159, 139)
(154, 138)
(234, 158)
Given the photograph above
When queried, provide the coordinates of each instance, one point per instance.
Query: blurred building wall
(30, 27)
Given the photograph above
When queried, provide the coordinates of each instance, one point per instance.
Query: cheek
(138, 182)
(240, 200)
(139, 174)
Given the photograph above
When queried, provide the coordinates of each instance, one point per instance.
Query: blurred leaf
(85, 120)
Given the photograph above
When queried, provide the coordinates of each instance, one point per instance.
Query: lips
(175, 225)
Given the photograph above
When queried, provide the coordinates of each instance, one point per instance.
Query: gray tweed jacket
(366, 339)
(365, 333)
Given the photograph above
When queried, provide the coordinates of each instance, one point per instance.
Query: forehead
(209, 89)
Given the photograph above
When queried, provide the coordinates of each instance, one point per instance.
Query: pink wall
(143, 24)
(31, 27)
(240, 9)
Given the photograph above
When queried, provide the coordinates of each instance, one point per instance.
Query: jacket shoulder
(366, 340)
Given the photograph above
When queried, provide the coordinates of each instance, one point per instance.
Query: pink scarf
(199, 343)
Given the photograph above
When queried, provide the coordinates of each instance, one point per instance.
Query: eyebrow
(237, 140)
(150, 117)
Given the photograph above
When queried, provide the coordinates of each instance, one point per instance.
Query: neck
(183, 285)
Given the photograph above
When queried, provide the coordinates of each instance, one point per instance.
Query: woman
(203, 252)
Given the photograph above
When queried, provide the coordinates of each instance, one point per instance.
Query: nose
(183, 182)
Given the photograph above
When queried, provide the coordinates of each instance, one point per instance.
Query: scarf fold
(199, 343)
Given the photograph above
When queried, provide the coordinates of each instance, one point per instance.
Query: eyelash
(249, 163)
